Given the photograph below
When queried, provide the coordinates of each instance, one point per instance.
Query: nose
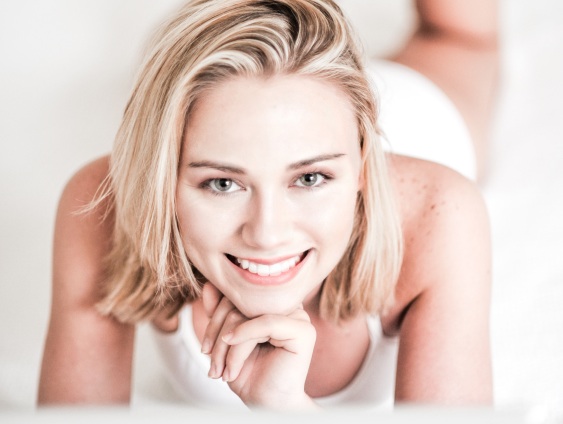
(268, 223)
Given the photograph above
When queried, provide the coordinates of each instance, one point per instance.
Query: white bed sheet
(65, 75)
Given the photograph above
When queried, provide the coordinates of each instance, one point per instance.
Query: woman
(248, 204)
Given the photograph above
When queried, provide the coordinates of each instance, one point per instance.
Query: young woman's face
(267, 188)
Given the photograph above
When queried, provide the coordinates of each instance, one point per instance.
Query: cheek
(202, 226)
(333, 219)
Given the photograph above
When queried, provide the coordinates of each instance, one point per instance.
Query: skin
(442, 297)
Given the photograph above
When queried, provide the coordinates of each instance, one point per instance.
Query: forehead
(281, 115)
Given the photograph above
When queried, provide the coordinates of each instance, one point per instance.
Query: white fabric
(186, 368)
(419, 120)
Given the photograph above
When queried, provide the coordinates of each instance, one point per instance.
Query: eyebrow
(320, 158)
(236, 170)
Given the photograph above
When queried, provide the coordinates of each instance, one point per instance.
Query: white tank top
(186, 368)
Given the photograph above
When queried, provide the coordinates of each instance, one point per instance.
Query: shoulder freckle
(435, 207)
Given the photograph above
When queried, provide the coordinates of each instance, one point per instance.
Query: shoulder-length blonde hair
(206, 42)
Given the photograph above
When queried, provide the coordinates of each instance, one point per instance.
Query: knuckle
(302, 315)
(233, 317)
(313, 331)
(310, 331)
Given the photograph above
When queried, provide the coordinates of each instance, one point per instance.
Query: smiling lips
(268, 270)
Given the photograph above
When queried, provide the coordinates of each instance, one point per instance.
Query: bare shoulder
(82, 237)
(84, 183)
(425, 190)
(444, 222)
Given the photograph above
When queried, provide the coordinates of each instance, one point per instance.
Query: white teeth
(263, 270)
(268, 270)
(275, 269)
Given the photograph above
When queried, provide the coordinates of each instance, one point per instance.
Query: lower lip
(270, 280)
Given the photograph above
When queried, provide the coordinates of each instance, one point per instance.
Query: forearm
(86, 365)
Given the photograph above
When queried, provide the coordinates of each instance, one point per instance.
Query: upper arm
(87, 357)
(444, 353)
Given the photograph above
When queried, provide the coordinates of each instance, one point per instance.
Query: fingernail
(212, 372)
(206, 346)
(226, 376)
(227, 337)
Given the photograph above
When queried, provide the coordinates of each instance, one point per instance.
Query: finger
(294, 333)
(221, 349)
(237, 356)
(215, 324)
(211, 297)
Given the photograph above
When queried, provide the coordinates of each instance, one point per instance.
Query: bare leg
(456, 46)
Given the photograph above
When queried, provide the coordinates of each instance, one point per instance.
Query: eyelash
(206, 185)
(326, 178)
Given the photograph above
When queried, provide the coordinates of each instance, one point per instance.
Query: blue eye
(311, 179)
(221, 185)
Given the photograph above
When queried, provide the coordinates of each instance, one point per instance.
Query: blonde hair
(206, 42)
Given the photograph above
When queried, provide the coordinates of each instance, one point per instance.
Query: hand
(266, 359)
